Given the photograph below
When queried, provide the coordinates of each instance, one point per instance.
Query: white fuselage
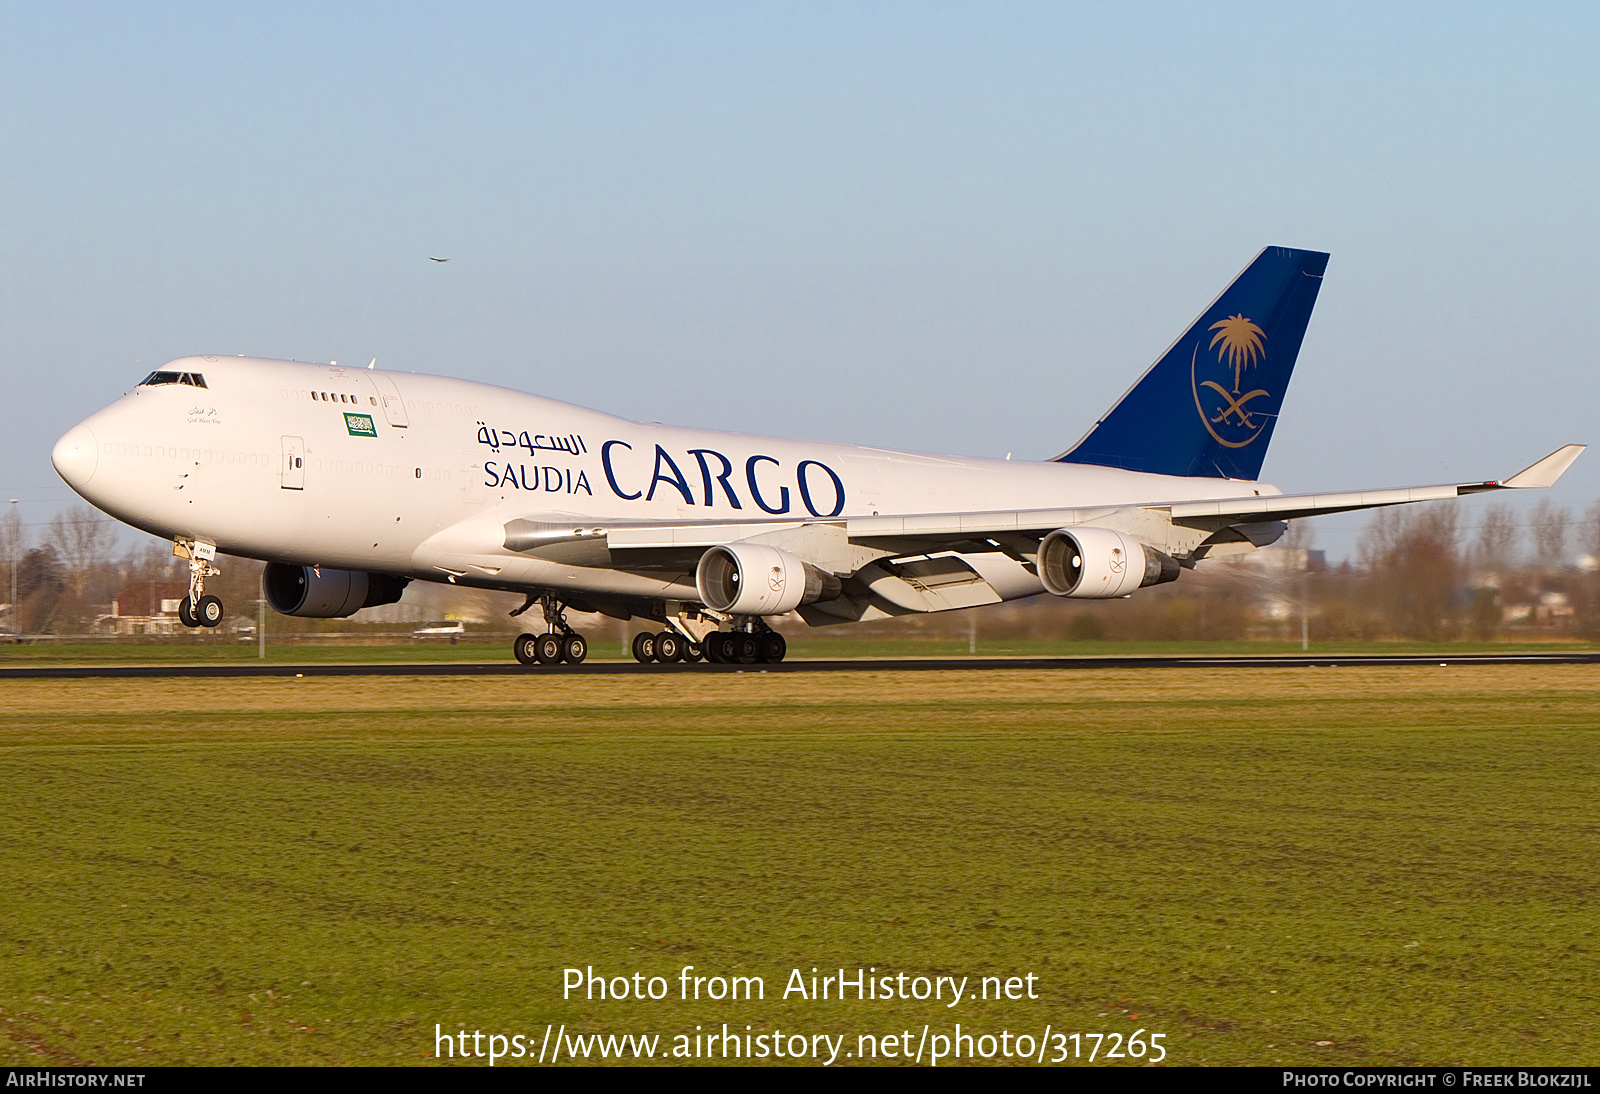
(312, 464)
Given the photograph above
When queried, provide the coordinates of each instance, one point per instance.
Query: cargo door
(292, 475)
(394, 410)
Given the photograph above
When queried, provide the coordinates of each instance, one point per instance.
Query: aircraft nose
(75, 456)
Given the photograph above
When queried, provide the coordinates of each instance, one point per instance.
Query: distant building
(1554, 608)
(146, 607)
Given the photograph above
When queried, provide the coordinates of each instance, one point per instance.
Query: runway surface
(921, 664)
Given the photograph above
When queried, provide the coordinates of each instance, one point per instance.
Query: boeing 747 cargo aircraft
(351, 483)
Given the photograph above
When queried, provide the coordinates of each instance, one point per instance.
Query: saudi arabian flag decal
(360, 425)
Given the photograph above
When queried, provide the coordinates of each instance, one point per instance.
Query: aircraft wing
(1207, 515)
(1219, 514)
(844, 545)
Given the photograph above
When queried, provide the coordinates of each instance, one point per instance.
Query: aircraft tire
(694, 652)
(186, 614)
(669, 647)
(773, 647)
(523, 647)
(644, 647)
(574, 649)
(746, 649)
(209, 611)
(548, 649)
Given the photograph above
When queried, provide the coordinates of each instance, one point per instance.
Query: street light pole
(14, 534)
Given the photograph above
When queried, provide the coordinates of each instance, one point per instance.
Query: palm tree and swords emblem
(1239, 345)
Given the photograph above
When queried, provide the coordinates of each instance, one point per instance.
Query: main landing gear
(667, 647)
(199, 608)
(757, 644)
(560, 644)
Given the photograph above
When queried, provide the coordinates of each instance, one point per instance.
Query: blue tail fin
(1208, 406)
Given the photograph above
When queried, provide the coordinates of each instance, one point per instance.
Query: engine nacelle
(321, 593)
(1098, 563)
(754, 579)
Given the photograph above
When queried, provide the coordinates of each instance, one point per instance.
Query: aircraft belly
(533, 573)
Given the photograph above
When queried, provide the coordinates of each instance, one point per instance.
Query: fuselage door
(292, 472)
(393, 409)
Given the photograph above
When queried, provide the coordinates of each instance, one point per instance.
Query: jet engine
(754, 579)
(1098, 563)
(320, 593)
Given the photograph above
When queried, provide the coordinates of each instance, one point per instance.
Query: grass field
(1398, 862)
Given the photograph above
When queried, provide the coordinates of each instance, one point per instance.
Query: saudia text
(761, 480)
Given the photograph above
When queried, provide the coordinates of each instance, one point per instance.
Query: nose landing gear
(198, 609)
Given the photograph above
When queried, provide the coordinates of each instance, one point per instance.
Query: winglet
(1548, 470)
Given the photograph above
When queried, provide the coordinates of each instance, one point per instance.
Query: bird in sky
(432, 259)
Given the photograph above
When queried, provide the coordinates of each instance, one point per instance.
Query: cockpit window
(193, 379)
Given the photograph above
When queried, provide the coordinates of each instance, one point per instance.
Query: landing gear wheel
(773, 647)
(548, 649)
(209, 611)
(524, 648)
(186, 614)
(644, 647)
(669, 647)
(693, 652)
(746, 648)
(574, 648)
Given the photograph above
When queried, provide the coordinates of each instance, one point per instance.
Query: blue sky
(960, 228)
